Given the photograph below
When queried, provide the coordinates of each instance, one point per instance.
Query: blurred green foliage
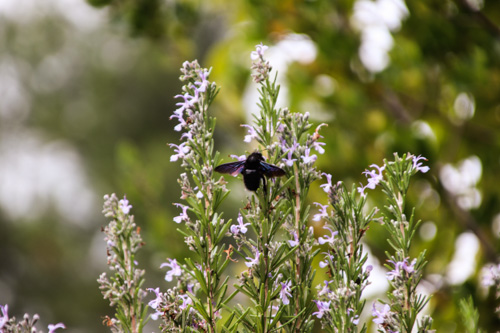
(106, 90)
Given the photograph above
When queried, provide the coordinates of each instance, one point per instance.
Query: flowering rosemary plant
(271, 233)
(123, 289)
(399, 314)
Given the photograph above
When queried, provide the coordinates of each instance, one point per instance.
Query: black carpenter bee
(253, 169)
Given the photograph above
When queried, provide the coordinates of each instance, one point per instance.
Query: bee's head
(255, 157)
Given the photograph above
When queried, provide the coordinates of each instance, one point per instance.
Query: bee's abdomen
(251, 178)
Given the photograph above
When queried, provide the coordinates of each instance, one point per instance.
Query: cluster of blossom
(123, 240)
(260, 66)
(204, 226)
(10, 325)
(175, 308)
(404, 275)
(339, 299)
(191, 111)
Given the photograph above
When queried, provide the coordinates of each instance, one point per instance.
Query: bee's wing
(271, 170)
(233, 168)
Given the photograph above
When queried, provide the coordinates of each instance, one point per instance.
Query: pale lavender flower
(156, 302)
(184, 216)
(181, 151)
(418, 166)
(308, 159)
(203, 84)
(325, 263)
(259, 52)
(399, 266)
(124, 205)
(491, 275)
(382, 315)
(374, 178)
(327, 187)
(361, 190)
(326, 239)
(182, 123)
(241, 227)
(253, 261)
(294, 242)
(323, 308)
(187, 135)
(289, 160)
(175, 269)
(252, 134)
(239, 158)
(186, 301)
(53, 327)
(355, 319)
(317, 146)
(322, 212)
(286, 292)
(183, 106)
(325, 290)
(5, 317)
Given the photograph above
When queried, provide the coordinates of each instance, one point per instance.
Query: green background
(86, 93)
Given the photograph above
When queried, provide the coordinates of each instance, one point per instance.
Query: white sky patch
(461, 181)
(376, 20)
(293, 48)
(463, 263)
(38, 175)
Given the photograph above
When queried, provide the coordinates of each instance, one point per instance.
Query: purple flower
(325, 239)
(323, 308)
(491, 274)
(286, 292)
(355, 319)
(124, 206)
(186, 301)
(289, 160)
(399, 267)
(361, 190)
(322, 212)
(182, 106)
(184, 216)
(156, 302)
(308, 159)
(241, 227)
(181, 123)
(5, 317)
(203, 84)
(252, 134)
(253, 261)
(53, 327)
(382, 315)
(294, 242)
(374, 178)
(327, 187)
(418, 166)
(239, 158)
(181, 151)
(317, 145)
(259, 52)
(325, 290)
(175, 269)
(325, 263)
